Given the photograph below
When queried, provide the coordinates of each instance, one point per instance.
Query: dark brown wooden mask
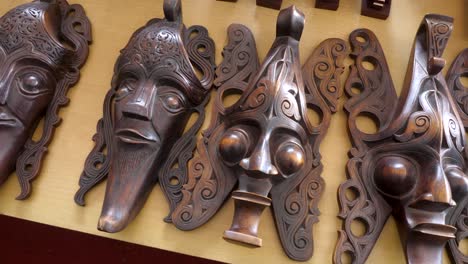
(265, 141)
(154, 91)
(413, 166)
(459, 216)
(42, 46)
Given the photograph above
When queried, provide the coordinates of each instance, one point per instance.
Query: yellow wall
(113, 23)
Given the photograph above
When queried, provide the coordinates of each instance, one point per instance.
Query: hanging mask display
(155, 90)
(413, 166)
(265, 141)
(42, 46)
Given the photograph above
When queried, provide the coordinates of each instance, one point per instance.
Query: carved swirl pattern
(205, 191)
(97, 163)
(439, 34)
(358, 203)
(322, 83)
(459, 219)
(295, 205)
(22, 26)
(180, 154)
(370, 93)
(29, 162)
(201, 50)
(458, 70)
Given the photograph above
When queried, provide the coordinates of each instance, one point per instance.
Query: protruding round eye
(31, 84)
(395, 176)
(233, 146)
(289, 158)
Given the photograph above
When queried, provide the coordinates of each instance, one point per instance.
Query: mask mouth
(136, 136)
(7, 118)
(438, 230)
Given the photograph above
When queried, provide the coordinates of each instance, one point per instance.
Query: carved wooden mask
(42, 46)
(414, 166)
(155, 89)
(265, 142)
(459, 216)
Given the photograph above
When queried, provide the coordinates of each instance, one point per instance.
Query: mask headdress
(459, 215)
(61, 34)
(176, 54)
(407, 167)
(269, 117)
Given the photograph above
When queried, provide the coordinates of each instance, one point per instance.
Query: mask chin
(131, 179)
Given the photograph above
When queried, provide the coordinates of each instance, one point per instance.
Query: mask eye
(172, 102)
(234, 145)
(289, 158)
(395, 176)
(32, 84)
(125, 88)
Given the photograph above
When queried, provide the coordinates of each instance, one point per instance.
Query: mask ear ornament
(408, 166)
(43, 45)
(265, 141)
(155, 90)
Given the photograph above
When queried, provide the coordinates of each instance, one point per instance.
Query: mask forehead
(36, 25)
(159, 53)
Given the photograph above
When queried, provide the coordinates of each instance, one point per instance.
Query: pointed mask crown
(277, 90)
(434, 119)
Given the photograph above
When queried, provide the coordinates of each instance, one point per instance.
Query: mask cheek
(458, 182)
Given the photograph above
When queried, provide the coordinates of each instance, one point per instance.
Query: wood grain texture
(113, 23)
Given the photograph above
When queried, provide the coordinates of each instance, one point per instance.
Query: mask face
(414, 166)
(37, 66)
(154, 91)
(265, 141)
(457, 216)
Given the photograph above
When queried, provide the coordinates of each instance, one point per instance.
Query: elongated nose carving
(140, 104)
(141, 138)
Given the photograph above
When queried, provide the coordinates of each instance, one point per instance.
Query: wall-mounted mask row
(413, 167)
(264, 143)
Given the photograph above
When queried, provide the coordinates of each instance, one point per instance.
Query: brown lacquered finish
(327, 4)
(265, 142)
(459, 216)
(141, 139)
(376, 8)
(42, 46)
(413, 166)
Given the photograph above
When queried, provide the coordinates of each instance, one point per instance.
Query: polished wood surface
(113, 23)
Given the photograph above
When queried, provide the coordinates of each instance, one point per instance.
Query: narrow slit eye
(395, 176)
(289, 158)
(234, 145)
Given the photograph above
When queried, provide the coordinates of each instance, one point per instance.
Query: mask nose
(435, 194)
(260, 160)
(140, 103)
(3, 94)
